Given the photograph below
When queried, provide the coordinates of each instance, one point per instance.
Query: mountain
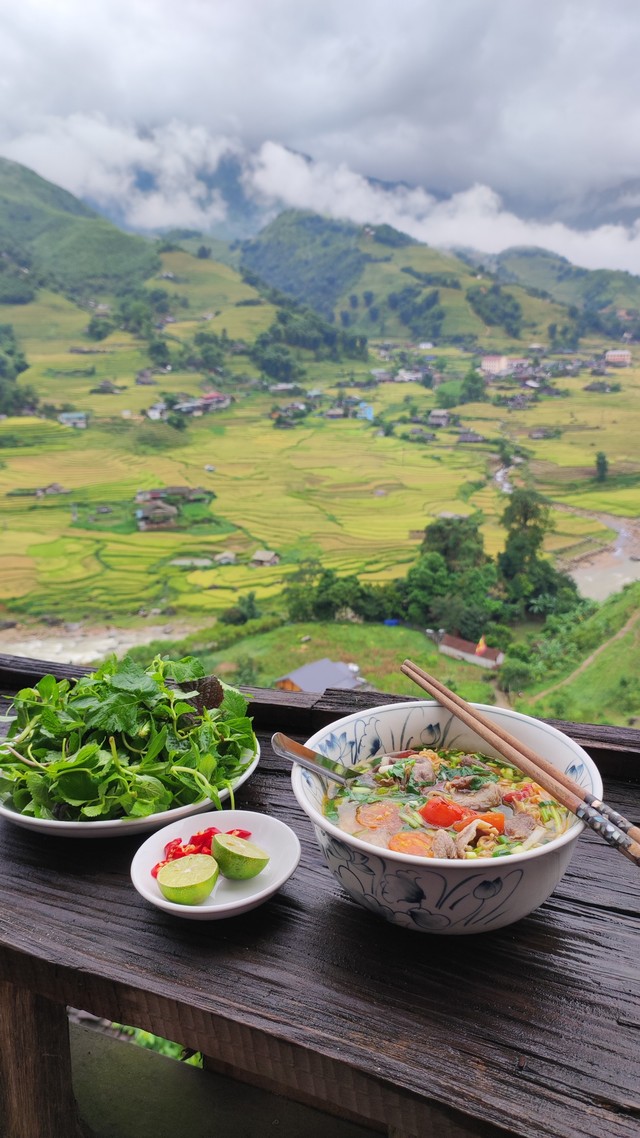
(61, 241)
(377, 281)
(589, 289)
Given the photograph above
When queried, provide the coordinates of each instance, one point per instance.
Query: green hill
(62, 242)
(379, 282)
(540, 269)
(590, 666)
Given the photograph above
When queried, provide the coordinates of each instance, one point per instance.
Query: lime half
(238, 858)
(188, 880)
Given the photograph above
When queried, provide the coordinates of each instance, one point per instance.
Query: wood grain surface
(532, 1029)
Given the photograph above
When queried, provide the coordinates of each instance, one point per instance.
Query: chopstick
(616, 830)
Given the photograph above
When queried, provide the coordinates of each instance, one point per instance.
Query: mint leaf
(118, 712)
(133, 678)
(186, 669)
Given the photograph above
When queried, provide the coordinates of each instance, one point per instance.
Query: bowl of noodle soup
(439, 833)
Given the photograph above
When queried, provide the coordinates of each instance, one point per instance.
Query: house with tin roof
(321, 674)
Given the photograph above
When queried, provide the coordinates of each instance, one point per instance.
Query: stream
(605, 571)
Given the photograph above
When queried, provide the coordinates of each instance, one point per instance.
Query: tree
(527, 577)
(473, 388)
(602, 466)
(445, 400)
(427, 579)
(247, 672)
(203, 252)
(247, 605)
(458, 540)
(514, 674)
(159, 353)
(98, 328)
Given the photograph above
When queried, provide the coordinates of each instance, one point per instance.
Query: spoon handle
(296, 753)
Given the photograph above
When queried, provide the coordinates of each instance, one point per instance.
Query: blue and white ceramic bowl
(437, 895)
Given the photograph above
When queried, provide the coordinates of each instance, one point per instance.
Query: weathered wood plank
(531, 1029)
(36, 1096)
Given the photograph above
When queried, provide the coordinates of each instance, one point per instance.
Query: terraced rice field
(337, 491)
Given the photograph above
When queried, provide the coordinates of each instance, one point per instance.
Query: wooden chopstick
(596, 814)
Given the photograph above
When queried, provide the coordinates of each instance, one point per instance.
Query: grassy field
(604, 689)
(376, 649)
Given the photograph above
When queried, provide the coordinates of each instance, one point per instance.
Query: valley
(306, 442)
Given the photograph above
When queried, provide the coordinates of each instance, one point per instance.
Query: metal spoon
(297, 753)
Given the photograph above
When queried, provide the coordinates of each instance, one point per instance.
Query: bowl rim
(570, 835)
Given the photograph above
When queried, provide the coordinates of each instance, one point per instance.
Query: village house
(156, 515)
(618, 357)
(320, 675)
(365, 411)
(602, 386)
(472, 653)
(145, 378)
(439, 418)
(470, 437)
(404, 375)
(52, 488)
(77, 419)
(227, 557)
(183, 493)
(335, 413)
(192, 562)
(215, 401)
(264, 557)
(107, 387)
(494, 365)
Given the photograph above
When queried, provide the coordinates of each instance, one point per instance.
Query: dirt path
(589, 659)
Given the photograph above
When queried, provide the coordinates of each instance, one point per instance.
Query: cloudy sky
(504, 118)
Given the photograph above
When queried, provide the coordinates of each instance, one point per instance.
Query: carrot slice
(411, 842)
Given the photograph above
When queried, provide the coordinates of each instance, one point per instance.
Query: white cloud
(474, 217)
(102, 161)
(537, 101)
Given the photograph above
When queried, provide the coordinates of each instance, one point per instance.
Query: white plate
(119, 827)
(229, 898)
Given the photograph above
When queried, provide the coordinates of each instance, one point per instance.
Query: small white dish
(120, 827)
(229, 898)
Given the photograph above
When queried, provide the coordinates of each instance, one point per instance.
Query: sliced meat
(483, 799)
(422, 771)
(520, 826)
(462, 781)
(444, 845)
(469, 835)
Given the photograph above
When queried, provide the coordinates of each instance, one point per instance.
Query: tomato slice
(494, 818)
(373, 815)
(442, 812)
(411, 842)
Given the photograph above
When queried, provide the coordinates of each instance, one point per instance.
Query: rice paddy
(337, 491)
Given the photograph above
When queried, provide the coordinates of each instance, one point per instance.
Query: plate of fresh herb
(124, 749)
